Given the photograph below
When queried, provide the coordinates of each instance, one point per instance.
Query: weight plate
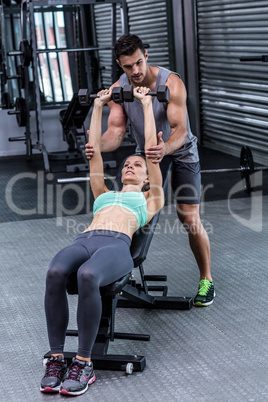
(247, 167)
(6, 101)
(21, 79)
(163, 93)
(26, 50)
(20, 105)
(128, 93)
(3, 74)
(117, 95)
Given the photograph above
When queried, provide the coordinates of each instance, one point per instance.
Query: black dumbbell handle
(93, 96)
(152, 93)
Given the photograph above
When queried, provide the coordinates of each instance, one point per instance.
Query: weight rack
(28, 35)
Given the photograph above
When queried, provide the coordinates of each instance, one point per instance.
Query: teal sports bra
(131, 200)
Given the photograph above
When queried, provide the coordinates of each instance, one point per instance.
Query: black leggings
(99, 258)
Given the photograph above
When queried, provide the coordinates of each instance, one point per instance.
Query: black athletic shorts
(186, 182)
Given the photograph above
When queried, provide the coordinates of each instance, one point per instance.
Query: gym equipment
(3, 74)
(74, 133)
(127, 293)
(140, 295)
(162, 93)
(20, 112)
(6, 102)
(247, 168)
(101, 359)
(86, 98)
(19, 76)
(25, 53)
(28, 53)
(125, 94)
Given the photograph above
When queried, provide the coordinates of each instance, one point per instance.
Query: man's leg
(186, 184)
(189, 216)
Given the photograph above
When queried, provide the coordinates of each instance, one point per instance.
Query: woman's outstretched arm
(155, 200)
(96, 172)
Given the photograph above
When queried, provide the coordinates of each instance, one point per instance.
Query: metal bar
(124, 17)
(58, 59)
(39, 123)
(23, 16)
(224, 170)
(12, 139)
(71, 332)
(86, 49)
(135, 337)
(261, 168)
(25, 10)
(240, 169)
(113, 24)
(263, 58)
(81, 179)
(63, 49)
(227, 170)
(48, 61)
(55, 3)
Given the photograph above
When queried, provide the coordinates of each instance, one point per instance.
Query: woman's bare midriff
(115, 218)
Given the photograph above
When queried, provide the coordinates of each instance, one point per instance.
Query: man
(174, 138)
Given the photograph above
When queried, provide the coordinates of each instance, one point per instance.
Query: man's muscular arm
(177, 117)
(116, 129)
(115, 132)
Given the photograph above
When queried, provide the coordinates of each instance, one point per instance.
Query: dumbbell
(85, 97)
(162, 93)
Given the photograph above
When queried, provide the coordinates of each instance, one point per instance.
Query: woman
(101, 254)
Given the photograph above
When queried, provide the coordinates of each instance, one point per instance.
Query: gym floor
(218, 353)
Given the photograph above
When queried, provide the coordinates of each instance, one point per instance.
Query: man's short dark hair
(127, 45)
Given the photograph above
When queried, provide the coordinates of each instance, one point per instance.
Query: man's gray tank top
(188, 152)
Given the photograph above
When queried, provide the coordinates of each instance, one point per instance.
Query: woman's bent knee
(56, 273)
(87, 277)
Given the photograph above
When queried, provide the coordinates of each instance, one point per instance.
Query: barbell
(247, 168)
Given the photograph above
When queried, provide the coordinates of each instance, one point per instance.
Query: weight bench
(138, 295)
(106, 333)
(72, 120)
(127, 293)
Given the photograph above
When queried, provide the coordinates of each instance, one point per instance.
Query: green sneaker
(205, 295)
